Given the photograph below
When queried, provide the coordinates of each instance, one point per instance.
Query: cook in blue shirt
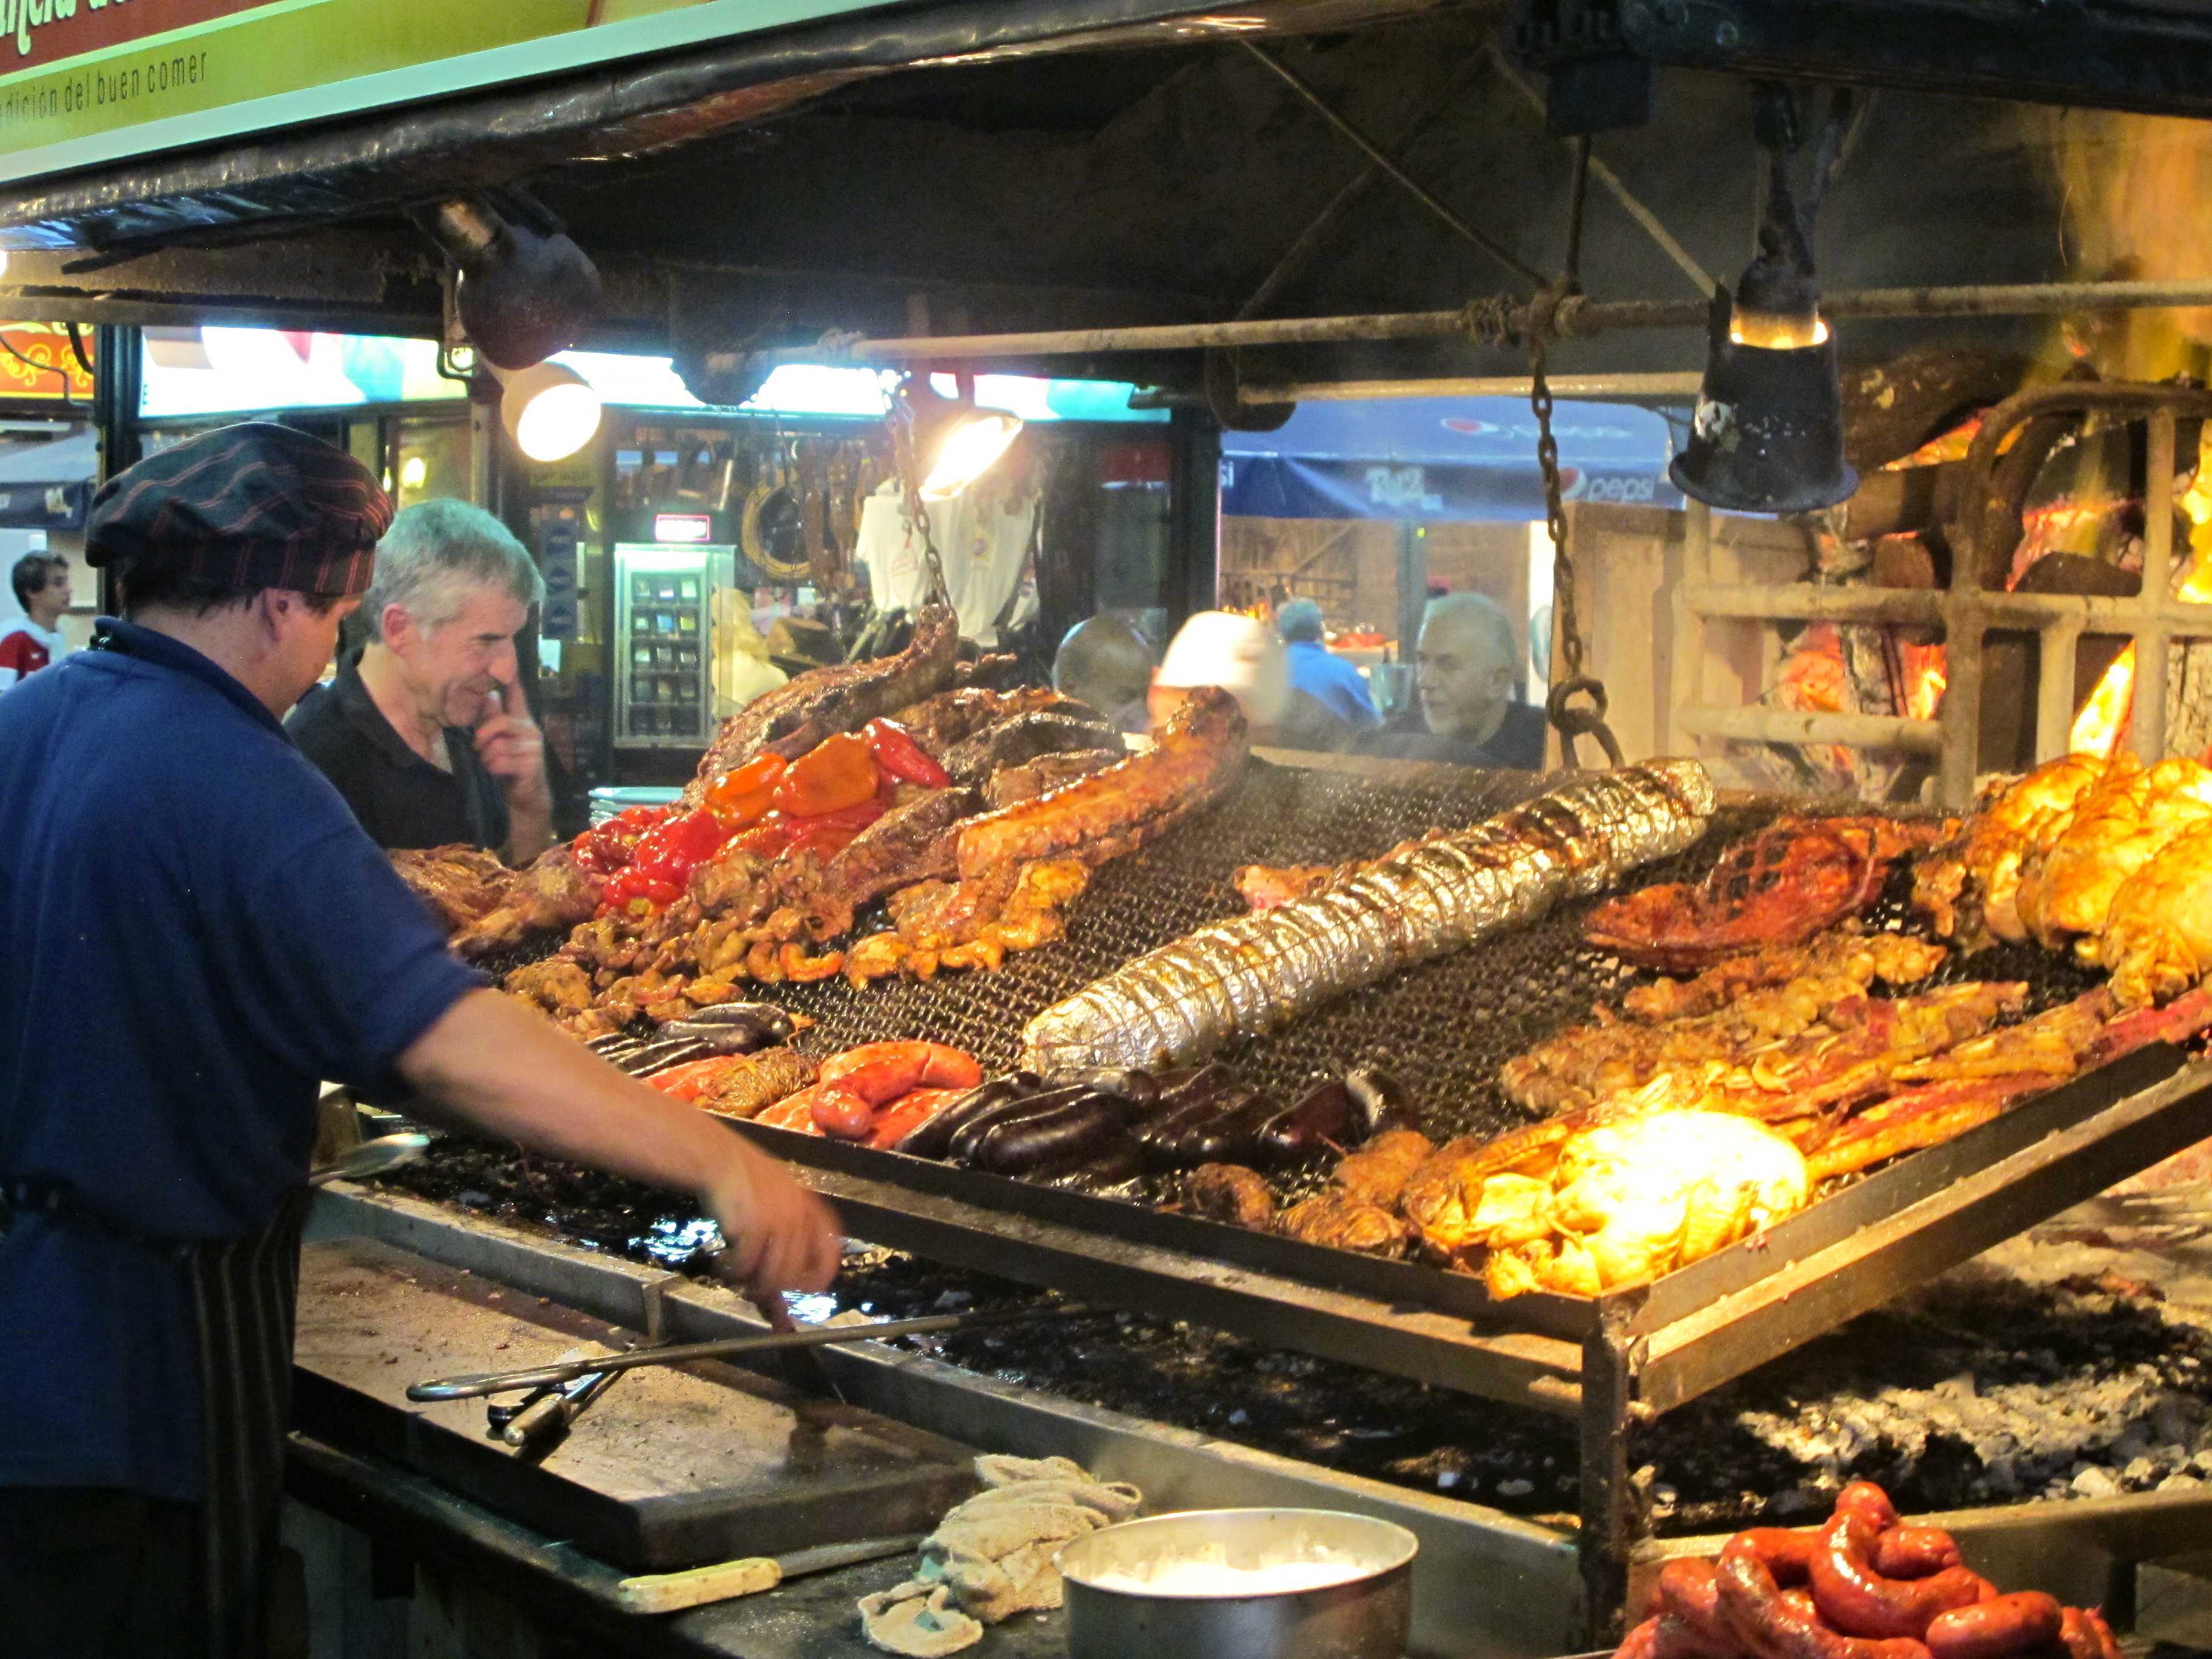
(1319, 671)
(193, 932)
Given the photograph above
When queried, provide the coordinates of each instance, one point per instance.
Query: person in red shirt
(42, 588)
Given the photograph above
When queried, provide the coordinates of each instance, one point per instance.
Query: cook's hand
(513, 749)
(780, 1237)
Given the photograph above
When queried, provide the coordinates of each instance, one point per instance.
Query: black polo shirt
(401, 799)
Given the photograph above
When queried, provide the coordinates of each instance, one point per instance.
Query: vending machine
(664, 609)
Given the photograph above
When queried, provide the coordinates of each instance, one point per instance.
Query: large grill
(1445, 1028)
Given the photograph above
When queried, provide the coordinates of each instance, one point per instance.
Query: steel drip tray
(674, 1466)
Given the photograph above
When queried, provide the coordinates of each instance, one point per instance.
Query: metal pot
(1366, 1617)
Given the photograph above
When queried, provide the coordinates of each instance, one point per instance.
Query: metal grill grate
(1443, 1028)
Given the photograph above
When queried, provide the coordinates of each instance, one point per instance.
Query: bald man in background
(1466, 672)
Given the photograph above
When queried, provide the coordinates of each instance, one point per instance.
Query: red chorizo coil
(1860, 1602)
(1915, 1552)
(1997, 1629)
(1689, 1592)
(1787, 1552)
(2085, 1635)
(1639, 1642)
(1753, 1608)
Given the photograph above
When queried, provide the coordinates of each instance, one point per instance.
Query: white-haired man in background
(1466, 669)
(424, 730)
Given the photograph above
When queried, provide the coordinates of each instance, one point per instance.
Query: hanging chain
(1572, 722)
(935, 589)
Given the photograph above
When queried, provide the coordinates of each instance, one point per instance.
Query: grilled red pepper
(898, 753)
(836, 773)
(746, 794)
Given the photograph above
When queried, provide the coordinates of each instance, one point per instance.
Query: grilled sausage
(1381, 1103)
(1222, 1128)
(970, 1135)
(772, 1022)
(840, 1113)
(879, 1072)
(934, 1138)
(1787, 1552)
(1320, 1121)
(1075, 1130)
(1997, 1629)
(1689, 1592)
(1676, 1639)
(659, 1056)
(1860, 1602)
(907, 1113)
(1139, 1089)
(2085, 1634)
(1641, 1642)
(1753, 1608)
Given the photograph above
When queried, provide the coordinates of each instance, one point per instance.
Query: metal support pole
(1684, 385)
(1193, 515)
(118, 370)
(1611, 1514)
(1576, 318)
(2147, 720)
(1965, 625)
(1682, 681)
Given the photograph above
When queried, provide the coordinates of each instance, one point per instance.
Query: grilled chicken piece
(1231, 1192)
(2066, 892)
(461, 885)
(2158, 932)
(561, 987)
(1337, 1219)
(1971, 888)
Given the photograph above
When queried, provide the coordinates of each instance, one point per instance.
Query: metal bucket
(1365, 1617)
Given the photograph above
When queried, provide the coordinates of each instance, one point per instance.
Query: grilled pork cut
(1971, 888)
(2158, 934)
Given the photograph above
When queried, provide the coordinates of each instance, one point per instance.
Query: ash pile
(2074, 1363)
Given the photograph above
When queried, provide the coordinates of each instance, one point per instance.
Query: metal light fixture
(548, 409)
(955, 442)
(523, 290)
(1768, 433)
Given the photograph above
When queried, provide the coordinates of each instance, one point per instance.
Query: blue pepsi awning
(1427, 460)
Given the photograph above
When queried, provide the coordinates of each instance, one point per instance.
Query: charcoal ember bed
(1979, 1390)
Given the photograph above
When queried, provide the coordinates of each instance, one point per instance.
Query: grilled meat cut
(2066, 889)
(486, 907)
(1024, 737)
(910, 843)
(553, 894)
(1242, 975)
(1378, 1171)
(970, 924)
(1264, 886)
(1016, 784)
(1800, 878)
(1197, 755)
(939, 722)
(1970, 888)
(460, 883)
(797, 715)
(1231, 1192)
(1587, 1063)
(1893, 959)
(1344, 1222)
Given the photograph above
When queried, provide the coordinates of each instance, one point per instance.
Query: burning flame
(1924, 681)
(1775, 331)
(2097, 727)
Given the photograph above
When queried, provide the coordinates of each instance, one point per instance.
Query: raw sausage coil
(1860, 1602)
(1751, 1607)
(1997, 1629)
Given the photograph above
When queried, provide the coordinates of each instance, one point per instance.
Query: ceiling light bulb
(414, 473)
(550, 410)
(966, 450)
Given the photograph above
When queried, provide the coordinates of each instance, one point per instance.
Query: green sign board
(84, 82)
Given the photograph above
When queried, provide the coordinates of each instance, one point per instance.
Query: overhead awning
(1428, 460)
(48, 485)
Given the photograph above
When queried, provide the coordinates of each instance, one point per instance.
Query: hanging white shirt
(982, 540)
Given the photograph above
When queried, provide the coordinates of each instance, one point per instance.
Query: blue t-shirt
(1335, 684)
(193, 932)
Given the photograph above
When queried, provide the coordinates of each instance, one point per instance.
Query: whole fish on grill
(1253, 972)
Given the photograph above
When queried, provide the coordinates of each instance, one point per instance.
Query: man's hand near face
(513, 750)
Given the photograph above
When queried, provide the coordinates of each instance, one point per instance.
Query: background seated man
(1319, 672)
(1105, 662)
(424, 730)
(1465, 673)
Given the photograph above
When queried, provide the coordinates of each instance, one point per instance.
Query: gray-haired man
(424, 730)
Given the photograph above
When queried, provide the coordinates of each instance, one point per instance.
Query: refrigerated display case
(664, 643)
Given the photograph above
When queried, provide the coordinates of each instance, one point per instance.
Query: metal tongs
(554, 1376)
